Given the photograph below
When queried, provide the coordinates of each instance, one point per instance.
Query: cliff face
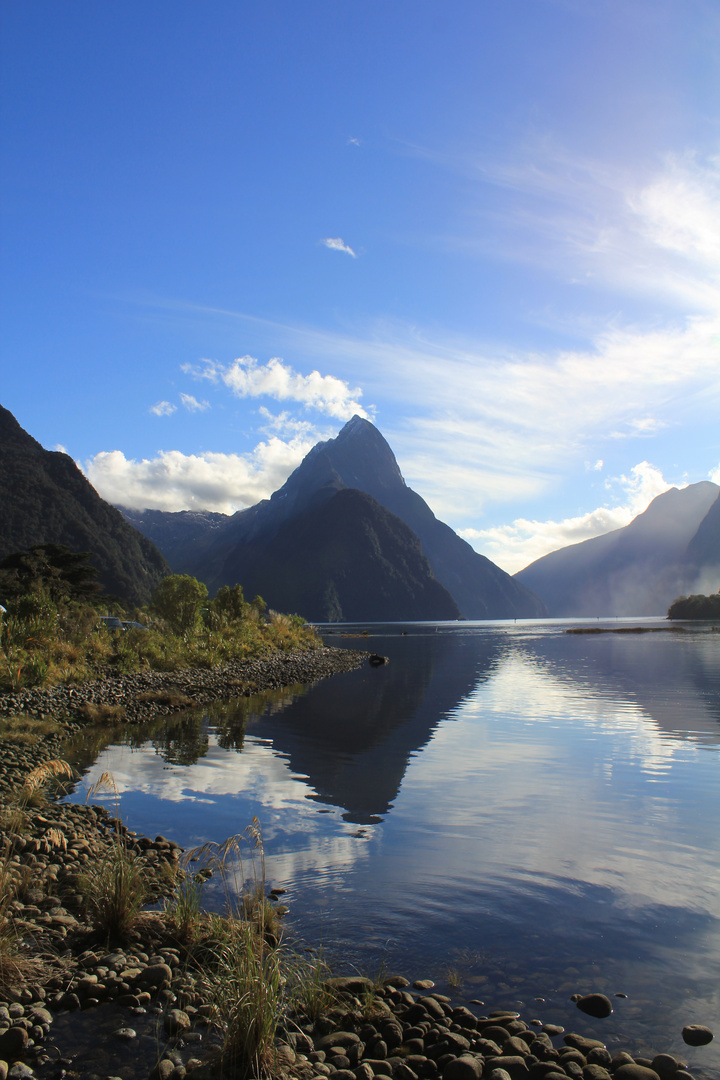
(348, 559)
(638, 570)
(45, 499)
(359, 459)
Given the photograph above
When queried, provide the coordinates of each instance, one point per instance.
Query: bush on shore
(695, 607)
(47, 638)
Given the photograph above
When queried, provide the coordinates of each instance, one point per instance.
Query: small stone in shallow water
(596, 1005)
(697, 1035)
(124, 1033)
(423, 984)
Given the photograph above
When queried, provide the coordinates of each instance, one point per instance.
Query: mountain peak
(356, 425)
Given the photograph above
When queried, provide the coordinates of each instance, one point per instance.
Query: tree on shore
(178, 599)
(695, 607)
(50, 568)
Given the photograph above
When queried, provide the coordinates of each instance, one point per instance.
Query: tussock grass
(44, 641)
(242, 971)
(308, 991)
(102, 713)
(115, 887)
(25, 729)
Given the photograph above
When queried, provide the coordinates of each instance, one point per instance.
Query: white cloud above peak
(336, 243)
(246, 377)
(208, 481)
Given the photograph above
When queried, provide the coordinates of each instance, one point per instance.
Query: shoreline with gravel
(140, 1001)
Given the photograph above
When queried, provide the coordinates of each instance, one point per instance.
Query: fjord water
(517, 812)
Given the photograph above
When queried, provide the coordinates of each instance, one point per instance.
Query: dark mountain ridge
(360, 459)
(347, 558)
(641, 568)
(45, 499)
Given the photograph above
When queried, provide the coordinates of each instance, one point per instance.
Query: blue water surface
(517, 812)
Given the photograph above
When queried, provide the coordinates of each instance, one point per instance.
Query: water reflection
(520, 811)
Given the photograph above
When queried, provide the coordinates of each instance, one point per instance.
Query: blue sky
(493, 228)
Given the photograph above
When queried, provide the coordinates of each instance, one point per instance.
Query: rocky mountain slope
(45, 499)
(359, 459)
(670, 549)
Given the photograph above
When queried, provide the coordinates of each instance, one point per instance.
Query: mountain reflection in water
(517, 812)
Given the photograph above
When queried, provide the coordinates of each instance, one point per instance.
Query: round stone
(176, 1022)
(465, 1067)
(697, 1035)
(596, 1005)
(635, 1072)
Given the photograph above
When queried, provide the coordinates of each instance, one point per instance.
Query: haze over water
(516, 812)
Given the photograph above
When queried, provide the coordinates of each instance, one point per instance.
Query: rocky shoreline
(84, 1009)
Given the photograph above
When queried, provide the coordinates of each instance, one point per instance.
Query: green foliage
(695, 607)
(51, 569)
(230, 603)
(45, 640)
(178, 599)
(259, 604)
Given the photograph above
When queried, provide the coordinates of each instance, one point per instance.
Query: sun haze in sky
(493, 229)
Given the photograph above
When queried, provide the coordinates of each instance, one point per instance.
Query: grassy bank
(46, 641)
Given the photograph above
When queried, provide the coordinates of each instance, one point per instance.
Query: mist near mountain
(358, 459)
(45, 499)
(670, 549)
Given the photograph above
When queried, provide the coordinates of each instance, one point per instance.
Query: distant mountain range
(45, 499)
(344, 538)
(671, 549)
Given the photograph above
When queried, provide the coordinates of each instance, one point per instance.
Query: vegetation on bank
(695, 607)
(52, 630)
(233, 964)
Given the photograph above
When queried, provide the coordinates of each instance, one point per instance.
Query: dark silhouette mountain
(634, 571)
(703, 554)
(359, 458)
(347, 558)
(45, 499)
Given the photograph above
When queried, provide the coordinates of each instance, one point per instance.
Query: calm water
(514, 811)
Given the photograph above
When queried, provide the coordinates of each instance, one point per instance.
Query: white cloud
(247, 377)
(192, 404)
(352, 141)
(209, 481)
(599, 224)
(714, 475)
(515, 546)
(285, 424)
(337, 244)
(163, 408)
(60, 448)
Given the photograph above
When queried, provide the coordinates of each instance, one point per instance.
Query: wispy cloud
(516, 545)
(246, 377)
(176, 481)
(654, 233)
(335, 243)
(193, 405)
(163, 408)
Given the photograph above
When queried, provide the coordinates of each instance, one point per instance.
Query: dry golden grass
(102, 713)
